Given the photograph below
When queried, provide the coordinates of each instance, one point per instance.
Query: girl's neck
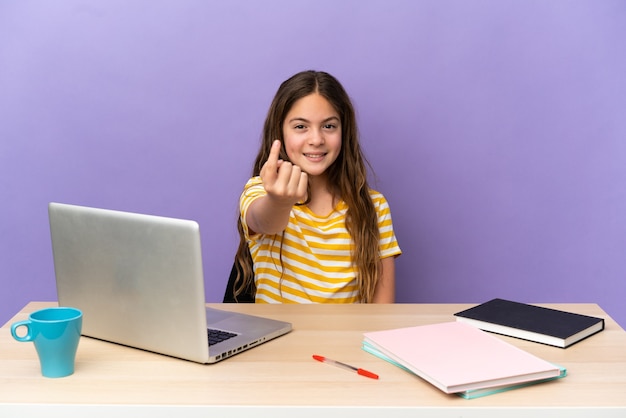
(323, 199)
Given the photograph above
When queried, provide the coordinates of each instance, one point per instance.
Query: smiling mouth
(315, 155)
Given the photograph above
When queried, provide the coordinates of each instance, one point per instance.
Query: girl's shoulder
(377, 197)
(253, 187)
(254, 181)
(380, 202)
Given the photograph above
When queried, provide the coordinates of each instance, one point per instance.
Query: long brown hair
(347, 174)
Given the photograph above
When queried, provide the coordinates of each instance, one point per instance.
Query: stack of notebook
(459, 358)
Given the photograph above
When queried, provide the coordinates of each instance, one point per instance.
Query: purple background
(497, 130)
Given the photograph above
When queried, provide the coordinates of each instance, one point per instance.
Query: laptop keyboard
(217, 336)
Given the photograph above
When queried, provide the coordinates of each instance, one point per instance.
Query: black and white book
(530, 322)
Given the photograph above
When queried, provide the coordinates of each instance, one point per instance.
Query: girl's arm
(386, 287)
(266, 216)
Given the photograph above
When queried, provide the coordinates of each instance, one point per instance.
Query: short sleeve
(251, 191)
(388, 244)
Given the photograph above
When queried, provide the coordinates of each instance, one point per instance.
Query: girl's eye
(299, 127)
(329, 126)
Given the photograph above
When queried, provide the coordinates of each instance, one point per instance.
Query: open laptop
(138, 280)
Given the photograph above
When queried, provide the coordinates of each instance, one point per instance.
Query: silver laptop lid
(137, 278)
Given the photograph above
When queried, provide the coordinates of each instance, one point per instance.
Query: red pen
(360, 371)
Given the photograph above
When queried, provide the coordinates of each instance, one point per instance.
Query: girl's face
(312, 134)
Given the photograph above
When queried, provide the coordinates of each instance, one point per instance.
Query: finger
(268, 173)
(270, 169)
(294, 180)
(274, 153)
(303, 185)
(283, 176)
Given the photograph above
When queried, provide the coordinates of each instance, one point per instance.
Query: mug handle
(25, 338)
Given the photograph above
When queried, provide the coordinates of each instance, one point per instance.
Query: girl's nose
(317, 137)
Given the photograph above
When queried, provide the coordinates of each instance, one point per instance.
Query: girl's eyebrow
(299, 119)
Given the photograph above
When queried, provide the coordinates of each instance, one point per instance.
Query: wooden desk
(280, 379)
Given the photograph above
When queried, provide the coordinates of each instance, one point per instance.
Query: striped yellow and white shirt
(312, 263)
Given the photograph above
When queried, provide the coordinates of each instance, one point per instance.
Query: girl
(311, 230)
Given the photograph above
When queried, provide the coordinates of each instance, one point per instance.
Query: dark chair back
(229, 296)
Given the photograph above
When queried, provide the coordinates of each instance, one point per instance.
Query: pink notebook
(457, 357)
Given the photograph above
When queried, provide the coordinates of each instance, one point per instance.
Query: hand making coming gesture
(284, 182)
(285, 185)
